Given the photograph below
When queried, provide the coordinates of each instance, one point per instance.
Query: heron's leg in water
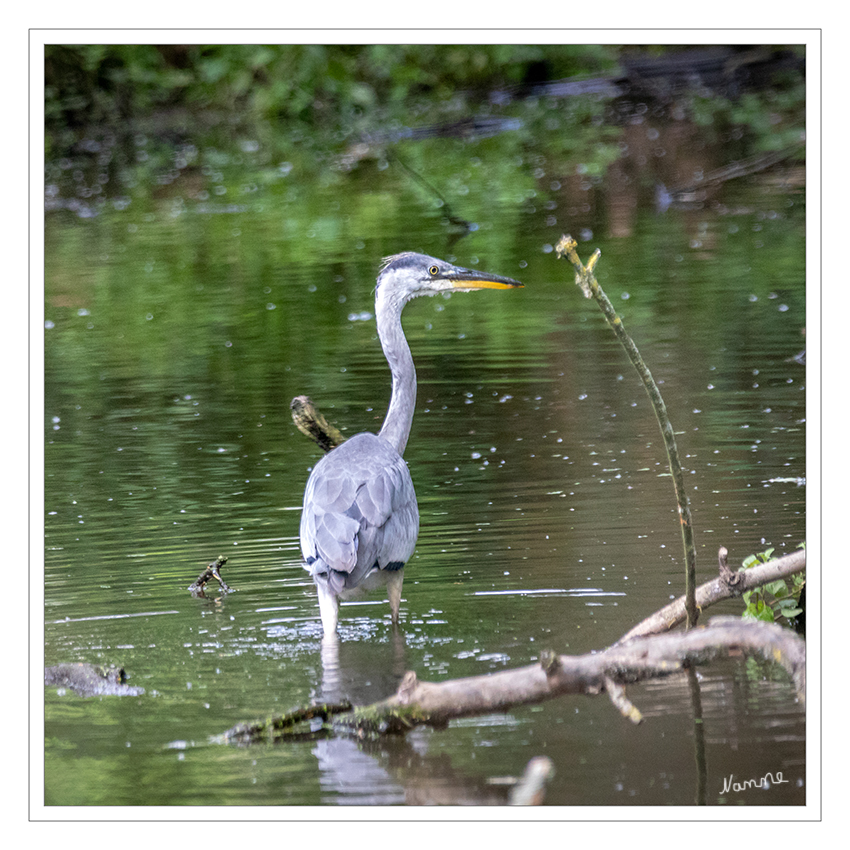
(394, 582)
(328, 607)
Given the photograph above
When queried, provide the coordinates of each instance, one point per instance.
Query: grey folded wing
(360, 512)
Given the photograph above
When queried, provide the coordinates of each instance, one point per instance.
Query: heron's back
(359, 512)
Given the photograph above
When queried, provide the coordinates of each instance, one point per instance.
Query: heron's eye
(433, 271)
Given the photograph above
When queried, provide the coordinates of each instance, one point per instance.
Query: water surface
(177, 330)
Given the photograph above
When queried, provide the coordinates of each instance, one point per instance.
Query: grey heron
(360, 519)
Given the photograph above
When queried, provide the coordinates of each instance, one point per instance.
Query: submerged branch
(284, 725)
(591, 289)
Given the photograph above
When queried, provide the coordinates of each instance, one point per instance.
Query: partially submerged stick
(213, 571)
(591, 289)
(310, 422)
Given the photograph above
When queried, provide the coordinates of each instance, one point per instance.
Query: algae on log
(283, 726)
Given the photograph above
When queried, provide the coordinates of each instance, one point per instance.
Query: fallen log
(417, 703)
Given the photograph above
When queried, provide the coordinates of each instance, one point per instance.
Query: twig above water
(585, 279)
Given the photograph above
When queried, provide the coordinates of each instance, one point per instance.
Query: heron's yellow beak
(468, 279)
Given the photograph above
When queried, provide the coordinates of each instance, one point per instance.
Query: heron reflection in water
(360, 519)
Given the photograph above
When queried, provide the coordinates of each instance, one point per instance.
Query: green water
(178, 326)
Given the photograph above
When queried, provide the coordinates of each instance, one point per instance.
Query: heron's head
(409, 274)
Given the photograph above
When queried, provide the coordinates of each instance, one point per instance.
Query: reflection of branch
(699, 736)
(585, 278)
(696, 192)
(457, 221)
(741, 168)
(531, 788)
(417, 703)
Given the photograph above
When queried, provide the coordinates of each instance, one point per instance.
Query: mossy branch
(285, 726)
(591, 289)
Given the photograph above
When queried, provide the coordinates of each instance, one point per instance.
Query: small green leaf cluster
(776, 599)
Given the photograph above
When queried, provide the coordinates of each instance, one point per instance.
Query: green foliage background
(324, 85)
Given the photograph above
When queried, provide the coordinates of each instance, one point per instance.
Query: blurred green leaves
(318, 83)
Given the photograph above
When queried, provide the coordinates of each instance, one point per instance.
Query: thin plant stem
(585, 279)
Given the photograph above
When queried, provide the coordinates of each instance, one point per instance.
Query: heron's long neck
(396, 427)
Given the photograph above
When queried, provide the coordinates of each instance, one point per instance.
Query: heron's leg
(328, 607)
(394, 582)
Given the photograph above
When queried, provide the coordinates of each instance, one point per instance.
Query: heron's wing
(388, 517)
(396, 519)
(359, 511)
